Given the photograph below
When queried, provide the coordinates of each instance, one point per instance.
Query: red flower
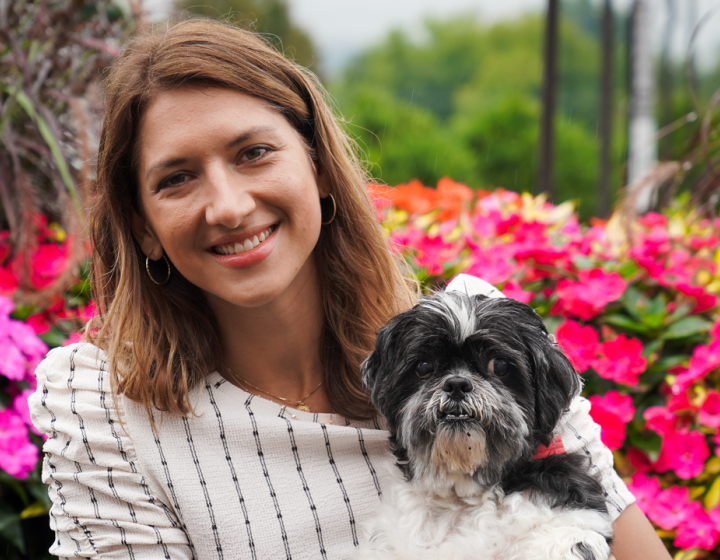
(640, 462)
(683, 452)
(698, 530)
(710, 411)
(670, 507)
(660, 420)
(587, 297)
(621, 360)
(612, 412)
(580, 343)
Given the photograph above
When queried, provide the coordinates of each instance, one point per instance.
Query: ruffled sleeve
(581, 434)
(102, 506)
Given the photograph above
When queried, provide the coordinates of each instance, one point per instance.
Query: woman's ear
(145, 236)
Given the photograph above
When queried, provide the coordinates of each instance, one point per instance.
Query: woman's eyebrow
(240, 139)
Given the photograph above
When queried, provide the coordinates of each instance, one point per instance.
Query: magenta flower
(698, 530)
(492, 265)
(18, 455)
(612, 411)
(709, 414)
(660, 420)
(21, 408)
(580, 343)
(587, 297)
(621, 360)
(513, 290)
(432, 252)
(645, 489)
(8, 281)
(703, 300)
(670, 507)
(683, 452)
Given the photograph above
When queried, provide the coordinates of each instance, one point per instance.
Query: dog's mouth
(455, 415)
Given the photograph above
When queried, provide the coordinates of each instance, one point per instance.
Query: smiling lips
(247, 245)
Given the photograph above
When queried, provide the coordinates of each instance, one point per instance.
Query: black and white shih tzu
(471, 387)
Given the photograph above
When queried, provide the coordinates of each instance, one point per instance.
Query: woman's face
(229, 193)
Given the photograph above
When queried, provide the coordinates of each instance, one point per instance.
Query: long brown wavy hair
(163, 340)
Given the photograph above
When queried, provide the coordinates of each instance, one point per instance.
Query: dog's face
(469, 387)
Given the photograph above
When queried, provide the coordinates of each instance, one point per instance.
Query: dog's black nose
(456, 387)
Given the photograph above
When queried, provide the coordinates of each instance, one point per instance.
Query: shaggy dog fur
(470, 387)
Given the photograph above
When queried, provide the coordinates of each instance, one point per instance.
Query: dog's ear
(556, 385)
(377, 365)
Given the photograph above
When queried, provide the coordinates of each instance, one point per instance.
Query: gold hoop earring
(334, 210)
(169, 272)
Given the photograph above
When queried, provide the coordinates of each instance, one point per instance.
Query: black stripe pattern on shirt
(306, 488)
(339, 480)
(228, 458)
(206, 494)
(368, 462)
(266, 474)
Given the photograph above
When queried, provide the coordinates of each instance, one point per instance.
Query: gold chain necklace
(300, 405)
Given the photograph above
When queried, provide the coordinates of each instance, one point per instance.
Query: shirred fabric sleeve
(581, 434)
(102, 506)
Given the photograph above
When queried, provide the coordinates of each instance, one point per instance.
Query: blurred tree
(403, 141)
(271, 17)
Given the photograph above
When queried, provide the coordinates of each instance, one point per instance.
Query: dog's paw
(595, 547)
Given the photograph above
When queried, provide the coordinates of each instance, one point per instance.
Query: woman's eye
(255, 152)
(498, 367)
(423, 369)
(174, 180)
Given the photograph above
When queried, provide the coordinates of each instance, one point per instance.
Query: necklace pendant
(302, 406)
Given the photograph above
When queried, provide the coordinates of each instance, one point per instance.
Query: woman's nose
(228, 202)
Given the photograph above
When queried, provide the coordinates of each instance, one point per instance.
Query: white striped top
(245, 478)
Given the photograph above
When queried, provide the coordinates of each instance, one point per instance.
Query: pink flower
(660, 420)
(715, 331)
(18, 455)
(621, 360)
(697, 530)
(513, 290)
(645, 489)
(612, 411)
(12, 360)
(683, 452)
(492, 265)
(580, 343)
(587, 297)
(709, 414)
(21, 408)
(670, 507)
(432, 252)
(703, 300)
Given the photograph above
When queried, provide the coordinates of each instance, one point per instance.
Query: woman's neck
(276, 347)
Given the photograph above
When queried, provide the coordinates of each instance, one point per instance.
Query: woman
(232, 234)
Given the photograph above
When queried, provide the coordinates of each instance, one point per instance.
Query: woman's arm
(635, 538)
(102, 506)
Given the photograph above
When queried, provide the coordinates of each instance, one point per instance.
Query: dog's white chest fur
(411, 525)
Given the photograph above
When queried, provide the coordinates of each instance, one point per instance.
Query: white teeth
(246, 245)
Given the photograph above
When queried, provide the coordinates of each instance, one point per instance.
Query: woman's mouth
(246, 245)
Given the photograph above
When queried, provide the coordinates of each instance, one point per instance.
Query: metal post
(549, 96)
(606, 113)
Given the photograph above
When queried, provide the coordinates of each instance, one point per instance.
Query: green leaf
(10, 527)
(680, 312)
(583, 263)
(654, 320)
(658, 306)
(686, 327)
(36, 509)
(27, 105)
(632, 298)
(53, 338)
(39, 491)
(628, 269)
(624, 322)
(712, 498)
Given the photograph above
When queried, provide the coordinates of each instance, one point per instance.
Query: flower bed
(635, 307)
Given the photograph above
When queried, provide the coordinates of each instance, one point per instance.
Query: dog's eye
(498, 366)
(424, 368)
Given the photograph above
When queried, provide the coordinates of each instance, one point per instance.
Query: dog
(471, 388)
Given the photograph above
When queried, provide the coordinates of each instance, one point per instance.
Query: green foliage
(404, 141)
(269, 17)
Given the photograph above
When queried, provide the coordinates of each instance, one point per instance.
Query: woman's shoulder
(78, 355)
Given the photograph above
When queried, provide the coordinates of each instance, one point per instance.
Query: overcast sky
(343, 28)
